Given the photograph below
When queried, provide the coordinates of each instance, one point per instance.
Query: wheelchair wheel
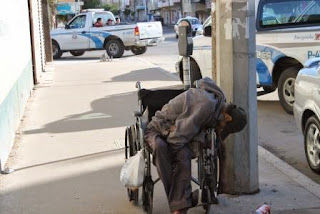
(210, 183)
(147, 195)
(133, 195)
(208, 209)
(131, 150)
(130, 142)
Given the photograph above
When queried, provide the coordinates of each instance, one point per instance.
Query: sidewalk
(68, 156)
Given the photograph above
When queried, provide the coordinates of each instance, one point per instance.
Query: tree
(91, 4)
(111, 7)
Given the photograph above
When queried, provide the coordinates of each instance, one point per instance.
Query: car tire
(56, 52)
(312, 143)
(286, 88)
(114, 48)
(268, 89)
(195, 73)
(77, 53)
(138, 50)
(177, 36)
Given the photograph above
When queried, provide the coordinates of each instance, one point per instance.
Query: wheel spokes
(313, 147)
(288, 91)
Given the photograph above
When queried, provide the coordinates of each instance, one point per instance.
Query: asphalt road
(278, 132)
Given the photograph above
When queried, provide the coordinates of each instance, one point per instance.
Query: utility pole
(169, 12)
(145, 10)
(46, 30)
(233, 52)
(181, 8)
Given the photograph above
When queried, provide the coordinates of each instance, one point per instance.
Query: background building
(22, 63)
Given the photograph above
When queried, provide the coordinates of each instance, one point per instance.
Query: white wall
(15, 51)
(17, 65)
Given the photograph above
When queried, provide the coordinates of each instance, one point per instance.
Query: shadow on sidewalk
(148, 74)
(108, 112)
(79, 190)
(84, 58)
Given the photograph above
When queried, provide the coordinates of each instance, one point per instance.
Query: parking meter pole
(185, 45)
(186, 72)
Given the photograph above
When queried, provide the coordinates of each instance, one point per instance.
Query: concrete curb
(291, 172)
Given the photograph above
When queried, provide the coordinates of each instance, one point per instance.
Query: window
(288, 13)
(104, 16)
(194, 21)
(78, 22)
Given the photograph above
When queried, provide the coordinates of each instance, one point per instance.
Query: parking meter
(185, 42)
(185, 45)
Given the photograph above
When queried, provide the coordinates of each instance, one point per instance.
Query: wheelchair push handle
(138, 85)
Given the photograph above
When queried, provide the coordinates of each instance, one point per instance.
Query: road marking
(291, 172)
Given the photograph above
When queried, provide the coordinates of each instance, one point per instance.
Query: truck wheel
(56, 52)
(138, 50)
(115, 48)
(194, 72)
(286, 88)
(268, 89)
(77, 53)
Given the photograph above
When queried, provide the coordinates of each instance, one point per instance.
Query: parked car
(195, 24)
(281, 47)
(307, 110)
(82, 34)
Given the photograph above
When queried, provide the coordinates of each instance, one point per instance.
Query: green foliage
(127, 12)
(91, 4)
(111, 7)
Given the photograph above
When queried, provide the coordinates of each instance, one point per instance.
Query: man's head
(99, 20)
(233, 119)
(118, 20)
(109, 22)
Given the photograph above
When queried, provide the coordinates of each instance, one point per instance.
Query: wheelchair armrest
(137, 113)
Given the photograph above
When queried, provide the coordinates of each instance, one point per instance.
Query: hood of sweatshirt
(210, 86)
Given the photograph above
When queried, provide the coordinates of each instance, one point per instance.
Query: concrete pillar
(46, 30)
(233, 63)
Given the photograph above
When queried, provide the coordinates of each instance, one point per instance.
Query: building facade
(172, 10)
(22, 63)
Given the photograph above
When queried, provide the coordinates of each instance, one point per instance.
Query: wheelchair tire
(210, 183)
(208, 209)
(130, 150)
(147, 195)
(133, 195)
(130, 142)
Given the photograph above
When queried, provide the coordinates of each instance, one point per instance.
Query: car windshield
(194, 21)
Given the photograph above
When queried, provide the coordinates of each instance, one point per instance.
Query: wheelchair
(208, 160)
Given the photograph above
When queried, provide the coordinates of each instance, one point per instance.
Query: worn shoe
(182, 211)
(195, 197)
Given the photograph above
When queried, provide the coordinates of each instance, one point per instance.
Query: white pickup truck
(80, 35)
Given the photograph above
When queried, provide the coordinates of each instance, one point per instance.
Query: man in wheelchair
(173, 132)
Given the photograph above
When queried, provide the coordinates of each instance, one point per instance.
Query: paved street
(76, 120)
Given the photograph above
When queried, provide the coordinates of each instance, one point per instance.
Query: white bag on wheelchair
(132, 172)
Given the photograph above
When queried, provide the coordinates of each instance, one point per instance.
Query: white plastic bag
(132, 172)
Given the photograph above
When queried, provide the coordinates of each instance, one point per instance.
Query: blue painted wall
(16, 74)
(12, 110)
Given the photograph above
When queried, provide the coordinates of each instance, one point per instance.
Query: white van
(287, 35)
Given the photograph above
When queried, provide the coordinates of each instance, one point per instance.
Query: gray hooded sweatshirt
(184, 119)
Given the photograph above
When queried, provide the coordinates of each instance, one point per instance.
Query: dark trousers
(174, 169)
